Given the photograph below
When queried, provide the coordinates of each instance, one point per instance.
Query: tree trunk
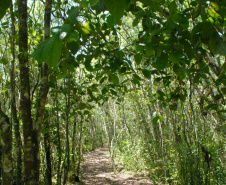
(0, 158)
(13, 105)
(48, 153)
(25, 103)
(58, 140)
(67, 166)
(6, 141)
(80, 148)
(43, 91)
(74, 143)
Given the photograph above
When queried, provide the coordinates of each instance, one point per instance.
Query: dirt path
(97, 170)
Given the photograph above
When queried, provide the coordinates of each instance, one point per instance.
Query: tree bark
(6, 141)
(68, 104)
(80, 147)
(15, 119)
(58, 140)
(0, 158)
(25, 102)
(74, 142)
(48, 153)
(43, 92)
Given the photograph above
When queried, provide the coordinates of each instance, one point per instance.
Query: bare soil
(97, 170)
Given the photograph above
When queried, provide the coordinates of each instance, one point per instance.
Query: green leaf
(86, 112)
(212, 106)
(114, 79)
(74, 35)
(4, 5)
(99, 7)
(86, 28)
(138, 58)
(116, 8)
(113, 92)
(136, 79)
(84, 106)
(65, 28)
(136, 21)
(119, 54)
(161, 62)
(146, 73)
(149, 49)
(161, 95)
(88, 65)
(3, 61)
(73, 46)
(219, 48)
(151, 2)
(156, 118)
(223, 90)
(196, 11)
(110, 21)
(73, 13)
(104, 90)
(49, 51)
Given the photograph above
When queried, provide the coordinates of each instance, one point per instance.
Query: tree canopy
(145, 76)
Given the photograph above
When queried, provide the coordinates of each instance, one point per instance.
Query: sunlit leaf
(86, 28)
(49, 51)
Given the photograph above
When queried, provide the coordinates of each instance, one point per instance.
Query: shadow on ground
(97, 170)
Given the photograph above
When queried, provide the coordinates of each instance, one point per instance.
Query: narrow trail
(97, 170)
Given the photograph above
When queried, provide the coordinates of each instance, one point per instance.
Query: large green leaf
(116, 8)
(161, 62)
(114, 79)
(49, 51)
(4, 5)
(84, 106)
(88, 64)
(146, 73)
(73, 13)
(138, 58)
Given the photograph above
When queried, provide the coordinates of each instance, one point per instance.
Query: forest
(147, 78)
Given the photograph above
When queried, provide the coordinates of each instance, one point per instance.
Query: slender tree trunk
(6, 141)
(43, 91)
(74, 142)
(93, 133)
(0, 158)
(13, 106)
(48, 153)
(25, 103)
(80, 148)
(58, 140)
(67, 166)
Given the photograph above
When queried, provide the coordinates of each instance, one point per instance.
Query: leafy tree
(146, 77)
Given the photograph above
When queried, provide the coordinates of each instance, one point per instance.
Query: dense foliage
(147, 77)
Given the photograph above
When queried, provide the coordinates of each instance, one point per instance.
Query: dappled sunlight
(97, 169)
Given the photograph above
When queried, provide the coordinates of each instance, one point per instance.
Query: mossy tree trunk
(6, 142)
